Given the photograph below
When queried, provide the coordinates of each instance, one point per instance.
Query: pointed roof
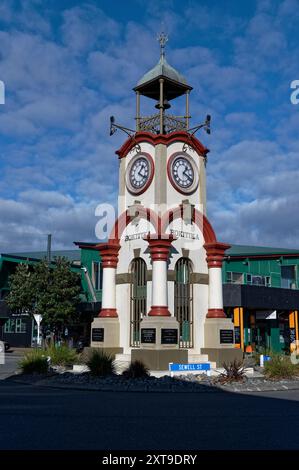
(162, 69)
(175, 84)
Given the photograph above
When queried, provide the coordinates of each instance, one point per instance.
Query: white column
(109, 256)
(109, 288)
(215, 288)
(159, 248)
(159, 287)
(215, 254)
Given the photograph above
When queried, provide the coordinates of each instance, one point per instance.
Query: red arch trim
(197, 218)
(167, 139)
(161, 224)
(130, 214)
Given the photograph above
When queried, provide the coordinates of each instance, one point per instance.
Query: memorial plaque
(169, 336)
(226, 336)
(97, 334)
(148, 335)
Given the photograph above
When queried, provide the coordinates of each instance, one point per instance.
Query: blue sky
(69, 65)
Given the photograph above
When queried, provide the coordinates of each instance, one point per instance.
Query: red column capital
(109, 254)
(159, 246)
(215, 253)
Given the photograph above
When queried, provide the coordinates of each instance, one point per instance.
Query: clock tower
(162, 282)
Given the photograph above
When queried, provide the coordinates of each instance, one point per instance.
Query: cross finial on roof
(162, 38)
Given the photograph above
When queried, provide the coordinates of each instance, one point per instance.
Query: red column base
(157, 311)
(108, 313)
(216, 313)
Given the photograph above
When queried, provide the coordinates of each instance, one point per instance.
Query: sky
(68, 65)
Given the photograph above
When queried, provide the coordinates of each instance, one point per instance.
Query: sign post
(38, 318)
(264, 359)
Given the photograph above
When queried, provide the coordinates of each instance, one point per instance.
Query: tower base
(159, 359)
(105, 333)
(159, 333)
(219, 341)
(221, 355)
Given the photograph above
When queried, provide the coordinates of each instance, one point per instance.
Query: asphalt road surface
(11, 364)
(32, 417)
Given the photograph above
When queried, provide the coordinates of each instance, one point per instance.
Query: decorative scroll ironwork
(171, 123)
(136, 149)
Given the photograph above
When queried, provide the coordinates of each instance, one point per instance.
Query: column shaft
(109, 256)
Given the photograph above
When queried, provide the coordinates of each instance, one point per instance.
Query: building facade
(260, 288)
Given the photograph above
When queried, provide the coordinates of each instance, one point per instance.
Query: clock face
(183, 173)
(139, 173)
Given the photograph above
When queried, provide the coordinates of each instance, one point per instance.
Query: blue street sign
(173, 367)
(267, 358)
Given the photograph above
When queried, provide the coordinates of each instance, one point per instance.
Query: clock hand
(184, 173)
(139, 172)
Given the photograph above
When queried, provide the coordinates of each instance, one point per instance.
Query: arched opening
(137, 299)
(183, 301)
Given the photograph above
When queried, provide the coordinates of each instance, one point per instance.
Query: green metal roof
(162, 69)
(71, 255)
(245, 250)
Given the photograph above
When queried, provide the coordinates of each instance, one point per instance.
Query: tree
(53, 292)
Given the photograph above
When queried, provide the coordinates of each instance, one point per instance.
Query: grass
(280, 367)
(101, 364)
(34, 362)
(62, 355)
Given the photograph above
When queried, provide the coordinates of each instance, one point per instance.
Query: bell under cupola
(163, 84)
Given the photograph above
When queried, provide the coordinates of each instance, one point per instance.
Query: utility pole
(49, 248)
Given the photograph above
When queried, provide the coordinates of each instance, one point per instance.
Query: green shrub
(136, 370)
(280, 367)
(34, 362)
(101, 363)
(62, 355)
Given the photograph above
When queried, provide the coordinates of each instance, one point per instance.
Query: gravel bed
(184, 383)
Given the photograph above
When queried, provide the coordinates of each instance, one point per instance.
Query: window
(10, 326)
(97, 277)
(288, 277)
(15, 325)
(256, 280)
(234, 278)
(20, 326)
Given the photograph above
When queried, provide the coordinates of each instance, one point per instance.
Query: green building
(20, 329)
(260, 289)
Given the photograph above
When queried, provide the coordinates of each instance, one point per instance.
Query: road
(42, 418)
(11, 363)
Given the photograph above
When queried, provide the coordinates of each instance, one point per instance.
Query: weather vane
(162, 38)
